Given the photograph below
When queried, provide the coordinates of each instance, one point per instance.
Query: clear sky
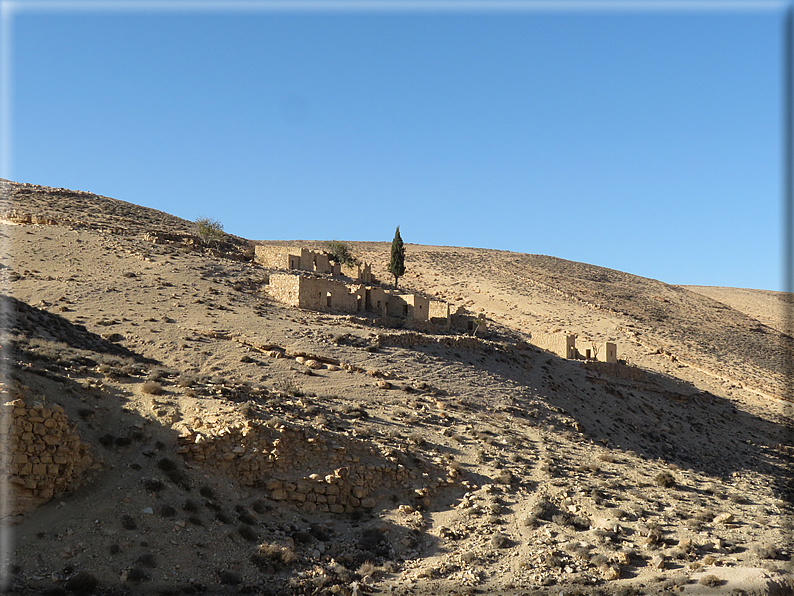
(628, 136)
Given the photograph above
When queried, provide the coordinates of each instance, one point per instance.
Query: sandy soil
(670, 472)
(767, 307)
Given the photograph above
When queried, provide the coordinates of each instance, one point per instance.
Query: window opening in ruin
(405, 309)
(328, 300)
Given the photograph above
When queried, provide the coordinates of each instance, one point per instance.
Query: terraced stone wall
(310, 469)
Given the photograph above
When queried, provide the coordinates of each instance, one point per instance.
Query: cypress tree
(397, 262)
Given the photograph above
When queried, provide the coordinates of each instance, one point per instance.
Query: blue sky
(647, 141)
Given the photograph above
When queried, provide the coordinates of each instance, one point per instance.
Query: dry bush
(416, 439)
(247, 533)
(152, 388)
(664, 479)
(366, 568)
(186, 380)
(710, 580)
(764, 550)
(288, 386)
(271, 558)
(499, 540)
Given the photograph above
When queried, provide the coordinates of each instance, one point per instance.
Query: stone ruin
(564, 345)
(312, 282)
(47, 455)
(310, 469)
(295, 258)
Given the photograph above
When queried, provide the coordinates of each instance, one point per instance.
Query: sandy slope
(559, 466)
(765, 306)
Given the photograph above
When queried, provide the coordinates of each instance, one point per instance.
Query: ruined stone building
(295, 258)
(307, 279)
(316, 293)
(564, 345)
(326, 294)
(361, 272)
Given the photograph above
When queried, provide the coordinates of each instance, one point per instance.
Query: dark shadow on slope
(654, 415)
(21, 319)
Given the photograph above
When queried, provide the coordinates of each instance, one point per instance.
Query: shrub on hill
(208, 230)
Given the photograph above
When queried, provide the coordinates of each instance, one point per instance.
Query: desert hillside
(174, 430)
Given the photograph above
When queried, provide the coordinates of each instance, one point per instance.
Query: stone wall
(294, 258)
(277, 257)
(47, 455)
(316, 293)
(438, 313)
(411, 306)
(360, 272)
(609, 353)
(326, 294)
(285, 288)
(377, 300)
(313, 470)
(410, 339)
(316, 262)
(562, 344)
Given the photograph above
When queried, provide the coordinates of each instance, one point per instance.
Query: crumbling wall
(360, 272)
(609, 353)
(410, 339)
(377, 300)
(562, 344)
(438, 313)
(411, 306)
(316, 293)
(277, 257)
(313, 293)
(365, 273)
(294, 258)
(47, 455)
(313, 470)
(285, 288)
(316, 262)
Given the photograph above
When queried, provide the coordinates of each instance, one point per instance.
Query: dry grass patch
(152, 388)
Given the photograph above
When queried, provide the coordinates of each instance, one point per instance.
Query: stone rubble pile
(47, 454)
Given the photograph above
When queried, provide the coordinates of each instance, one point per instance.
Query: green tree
(397, 261)
(208, 230)
(339, 252)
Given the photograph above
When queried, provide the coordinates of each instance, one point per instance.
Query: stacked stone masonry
(316, 292)
(325, 294)
(310, 469)
(438, 312)
(48, 456)
(292, 257)
(411, 306)
(361, 272)
(564, 345)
